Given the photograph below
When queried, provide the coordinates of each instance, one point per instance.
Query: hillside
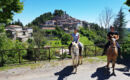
(57, 18)
(59, 25)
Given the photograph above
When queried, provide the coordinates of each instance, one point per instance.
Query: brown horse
(112, 53)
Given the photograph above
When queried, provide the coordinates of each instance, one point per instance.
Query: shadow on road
(67, 71)
(126, 62)
(102, 73)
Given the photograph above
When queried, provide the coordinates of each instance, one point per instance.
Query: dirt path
(62, 70)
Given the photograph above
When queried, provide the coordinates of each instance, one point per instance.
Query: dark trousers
(108, 44)
(80, 49)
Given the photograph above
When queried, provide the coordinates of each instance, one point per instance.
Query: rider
(112, 32)
(75, 38)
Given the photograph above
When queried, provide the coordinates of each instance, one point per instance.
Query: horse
(75, 55)
(112, 53)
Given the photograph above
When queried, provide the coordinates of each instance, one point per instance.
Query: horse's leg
(73, 60)
(73, 63)
(113, 66)
(108, 62)
(80, 59)
(81, 56)
(77, 61)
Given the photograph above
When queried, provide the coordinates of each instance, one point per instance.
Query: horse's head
(74, 44)
(113, 41)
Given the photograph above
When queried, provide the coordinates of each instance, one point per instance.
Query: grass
(30, 65)
(95, 59)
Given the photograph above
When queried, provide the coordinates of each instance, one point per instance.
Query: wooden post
(85, 48)
(35, 55)
(62, 53)
(19, 56)
(95, 51)
(49, 54)
(123, 48)
(2, 58)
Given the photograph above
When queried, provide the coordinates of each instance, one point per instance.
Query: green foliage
(39, 38)
(13, 55)
(2, 28)
(5, 43)
(127, 2)
(65, 39)
(54, 43)
(58, 13)
(30, 52)
(42, 18)
(59, 32)
(8, 8)
(85, 40)
(98, 37)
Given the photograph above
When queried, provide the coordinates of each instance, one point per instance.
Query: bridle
(113, 42)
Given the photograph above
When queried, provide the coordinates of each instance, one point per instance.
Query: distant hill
(57, 18)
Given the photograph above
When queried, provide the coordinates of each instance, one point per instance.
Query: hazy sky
(87, 10)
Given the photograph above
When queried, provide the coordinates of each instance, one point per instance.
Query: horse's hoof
(81, 63)
(113, 74)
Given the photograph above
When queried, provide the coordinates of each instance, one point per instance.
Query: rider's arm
(117, 37)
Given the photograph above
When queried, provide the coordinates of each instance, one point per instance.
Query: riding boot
(104, 52)
(105, 48)
(119, 52)
(70, 49)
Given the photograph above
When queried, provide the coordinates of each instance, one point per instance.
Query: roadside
(92, 69)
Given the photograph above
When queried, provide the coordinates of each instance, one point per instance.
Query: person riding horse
(75, 38)
(109, 36)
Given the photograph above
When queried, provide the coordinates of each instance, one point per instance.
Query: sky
(87, 10)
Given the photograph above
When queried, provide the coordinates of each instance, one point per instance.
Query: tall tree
(8, 8)
(38, 36)
(17, 23)
(120, 23)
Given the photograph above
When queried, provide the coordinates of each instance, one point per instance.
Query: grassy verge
(95, 59)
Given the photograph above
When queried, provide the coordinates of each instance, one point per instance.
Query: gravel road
(62, 70)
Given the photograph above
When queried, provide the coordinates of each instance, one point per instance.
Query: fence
(46, 53)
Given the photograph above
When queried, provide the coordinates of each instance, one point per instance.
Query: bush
(65, 39)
